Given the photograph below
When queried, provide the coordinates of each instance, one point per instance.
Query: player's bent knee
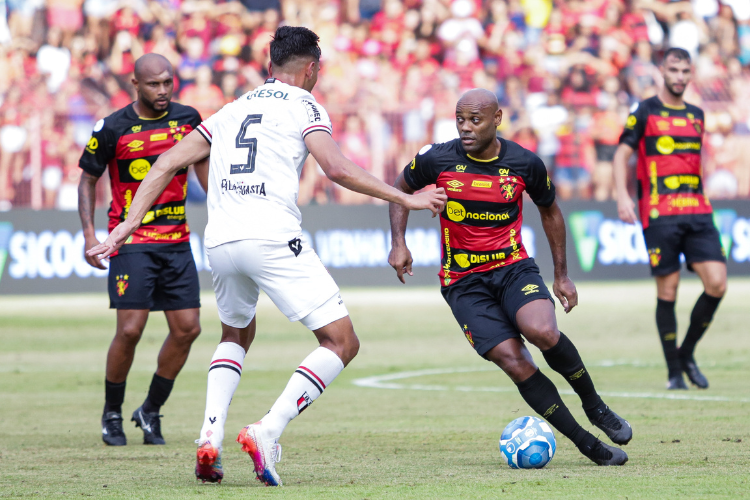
(129, 334)
(543, 336)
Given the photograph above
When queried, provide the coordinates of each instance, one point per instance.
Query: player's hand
(113, 242)
(566, 293)
(400, 259)
(433, 200)
(626, 209)
(93, 260)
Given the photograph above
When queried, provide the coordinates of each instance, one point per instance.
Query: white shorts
(299, 285)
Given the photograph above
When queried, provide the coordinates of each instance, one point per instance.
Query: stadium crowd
(566, 72)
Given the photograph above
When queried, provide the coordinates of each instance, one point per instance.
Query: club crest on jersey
(303, 402)
(508, 190)
(136, 128)
(122, 284)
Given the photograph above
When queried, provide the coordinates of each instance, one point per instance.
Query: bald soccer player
(154, 270)
(490, 283)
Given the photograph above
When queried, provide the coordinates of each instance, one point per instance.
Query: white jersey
(257, 154)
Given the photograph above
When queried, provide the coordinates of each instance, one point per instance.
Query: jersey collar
(503, 149)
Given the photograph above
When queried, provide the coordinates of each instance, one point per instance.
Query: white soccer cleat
(265, 452)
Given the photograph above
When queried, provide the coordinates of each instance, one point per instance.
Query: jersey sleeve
(311, 117)
(206, 127)
(538, 184)
(195, 118)
(100, 149)
(423, 169)
(635, 127)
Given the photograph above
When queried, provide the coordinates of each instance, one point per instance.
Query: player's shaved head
(478, 115)
(151, 65)
(481, 99)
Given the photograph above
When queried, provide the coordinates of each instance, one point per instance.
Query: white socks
(308, 382)
(223, 378)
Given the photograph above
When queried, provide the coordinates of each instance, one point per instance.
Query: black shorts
(485, 304)
(699, 241)
(158, 281)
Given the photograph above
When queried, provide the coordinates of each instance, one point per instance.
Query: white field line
(387, 382)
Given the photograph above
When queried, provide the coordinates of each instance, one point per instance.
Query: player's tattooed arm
(625, 204)
(86, 207)
(400, 257)
(554, 227)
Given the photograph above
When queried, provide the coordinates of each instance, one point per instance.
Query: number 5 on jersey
(251, 143)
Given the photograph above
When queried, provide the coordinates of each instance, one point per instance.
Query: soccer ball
(528, 443)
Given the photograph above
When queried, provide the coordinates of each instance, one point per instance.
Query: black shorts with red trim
(154, 280)
(697, 239)
(485, 304)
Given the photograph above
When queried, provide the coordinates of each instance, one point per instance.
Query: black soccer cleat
(150, 423)
(614, 426)
(676, 383)
(694, 374)
(602, 454)
(112, 433)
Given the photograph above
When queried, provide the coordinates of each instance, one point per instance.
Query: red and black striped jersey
(669, 172)
(481, 223)
(129, 145)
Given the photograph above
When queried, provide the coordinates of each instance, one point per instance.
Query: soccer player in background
(258, 145)
(676, 215)
(155, 270)
(490, 283)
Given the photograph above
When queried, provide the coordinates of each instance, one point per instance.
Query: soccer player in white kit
(258, 145)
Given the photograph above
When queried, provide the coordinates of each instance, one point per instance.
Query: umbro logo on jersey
(454, 185)
(529, 289)
(135, 146)
(295, 246)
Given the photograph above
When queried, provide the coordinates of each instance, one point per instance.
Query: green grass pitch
(416, 415)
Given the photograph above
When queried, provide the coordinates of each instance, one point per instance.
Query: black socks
(157, 394)
(114, 395)
(701, 317)
(541, 394)
(565, 360)
(666, 323)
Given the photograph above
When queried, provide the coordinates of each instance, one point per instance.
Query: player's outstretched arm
(625, 205)
(343, 171)
(554, 227)
(191, 149)
(400, 256)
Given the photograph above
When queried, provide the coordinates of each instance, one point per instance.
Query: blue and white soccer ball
(528, 443)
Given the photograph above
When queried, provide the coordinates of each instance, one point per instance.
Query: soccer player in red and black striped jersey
(491, 284)
(677, 217)
(155, 270)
